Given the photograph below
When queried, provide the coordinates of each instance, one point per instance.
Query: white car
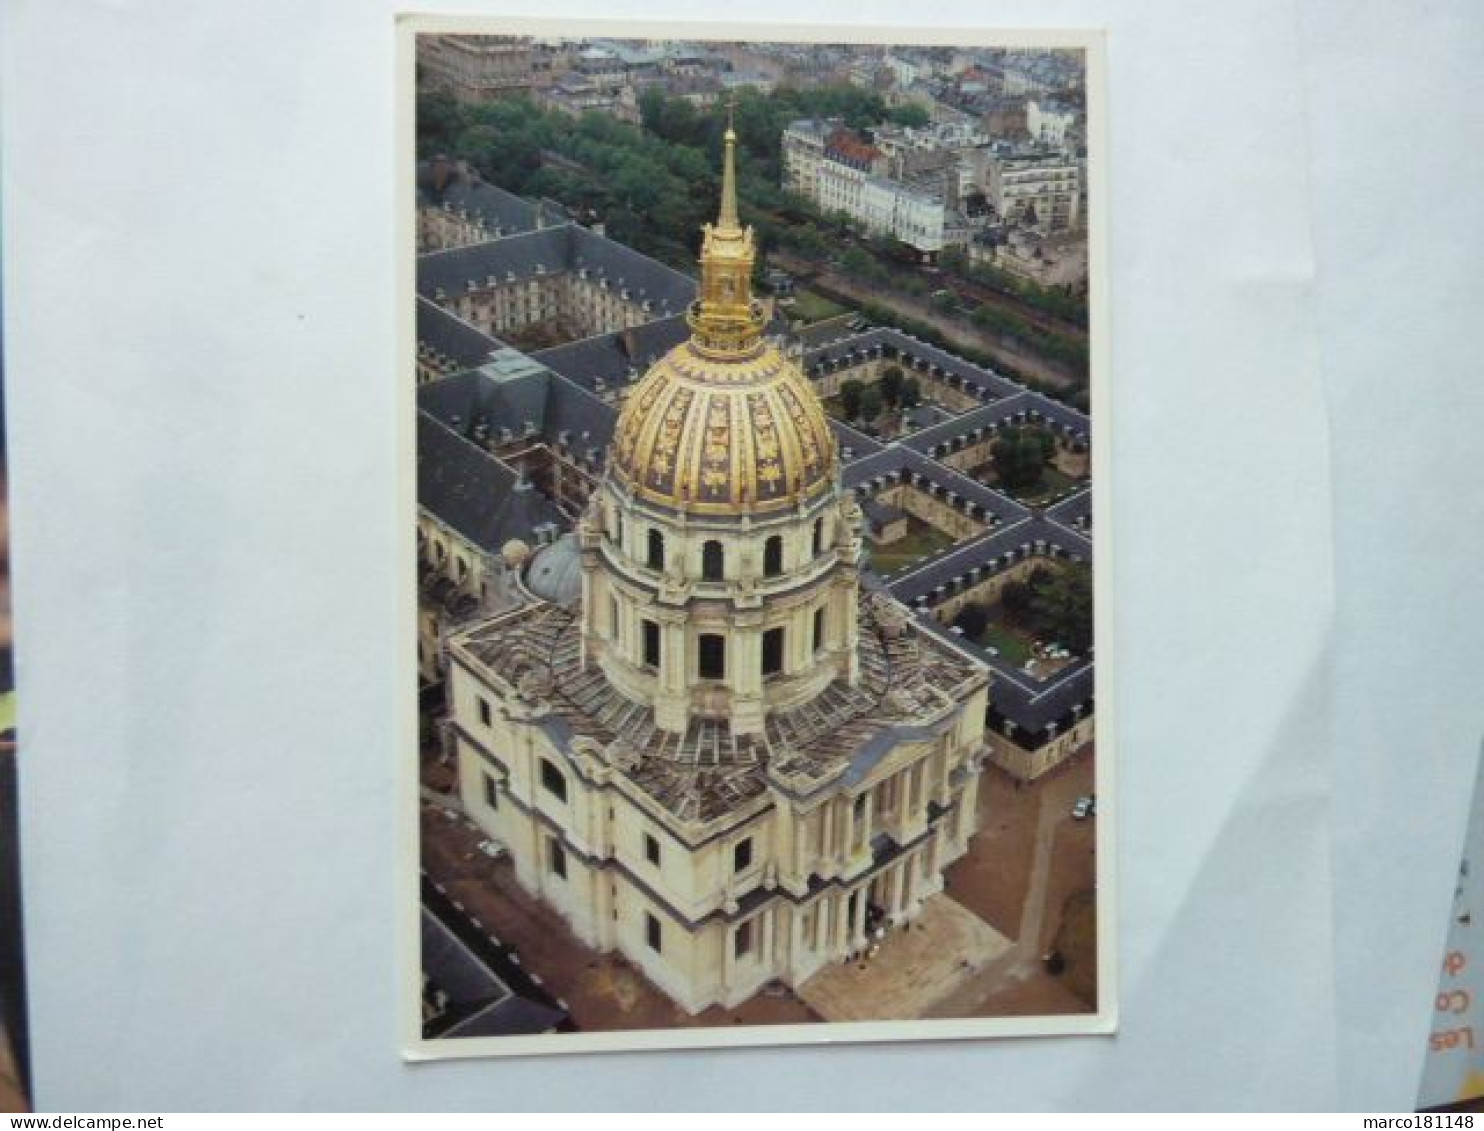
(1085, 807)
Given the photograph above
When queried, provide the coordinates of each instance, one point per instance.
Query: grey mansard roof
(451, 337)
(1021, 408)
(616, 359)
(533, 401)
(501, 212)
(562, 248)
(474, 493)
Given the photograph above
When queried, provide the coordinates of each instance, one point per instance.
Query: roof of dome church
(724, 423)
(724, 436)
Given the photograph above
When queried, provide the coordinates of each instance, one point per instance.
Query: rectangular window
(742, 940)
(652, 933)
(491, 792)
(742, 855)
(484, 712)
(772, 651)
(556, 858)
(712, 656)
(613, 618)
(651, 644)
(819, 628)
(553, 780)
(651, 850)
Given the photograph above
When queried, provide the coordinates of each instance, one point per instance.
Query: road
(842, 288)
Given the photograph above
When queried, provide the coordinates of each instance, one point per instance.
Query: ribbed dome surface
(724, 434)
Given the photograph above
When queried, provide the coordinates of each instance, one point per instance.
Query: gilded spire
(725, 319)
(727, 221)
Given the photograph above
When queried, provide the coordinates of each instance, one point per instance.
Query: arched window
(711, 561)
(772, 651)
(818, 536)
(711, 656)
(656, 558)
(773, 556)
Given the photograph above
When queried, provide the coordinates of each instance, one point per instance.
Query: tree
(911, 392)
(850, 398)
(1062, 605)
(1019, 457)
(911, 115)
(973, 618)
(1015, 599)
(953, 259)
(871, 402)
(858, 262)
(891, 384)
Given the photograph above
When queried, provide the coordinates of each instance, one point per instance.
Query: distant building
(475, 68)
(1041, 191)
(577, 93)
(841, 172)
(1048, 122)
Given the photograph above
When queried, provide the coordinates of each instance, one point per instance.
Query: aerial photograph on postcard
(753, 427)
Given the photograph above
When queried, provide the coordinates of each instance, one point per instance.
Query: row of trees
(1056, 301)
(1054, 604)
(652, 186)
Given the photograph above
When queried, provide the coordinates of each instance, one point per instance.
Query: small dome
(555, 572)
(514, 553)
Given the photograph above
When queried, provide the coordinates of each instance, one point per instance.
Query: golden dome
(724, 423)
(745, 434)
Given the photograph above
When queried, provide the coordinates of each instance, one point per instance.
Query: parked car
(1085, 807)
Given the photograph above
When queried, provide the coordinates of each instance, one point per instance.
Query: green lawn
(810, 308)
(1011, 645)
(920, 541)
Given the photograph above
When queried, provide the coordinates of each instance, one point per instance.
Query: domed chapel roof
(724, 423)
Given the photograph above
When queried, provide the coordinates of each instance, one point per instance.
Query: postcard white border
(417, 1049)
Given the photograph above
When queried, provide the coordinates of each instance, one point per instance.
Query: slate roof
(1074, 513)
(451, 337)
(981, 382)
(897, 463)
(617, 358)
(474, 493)
(1021, 407)
(503, 213)
(563, 247)
(561, 412)
(488, 993)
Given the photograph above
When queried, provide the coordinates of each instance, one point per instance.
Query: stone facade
(723, 759)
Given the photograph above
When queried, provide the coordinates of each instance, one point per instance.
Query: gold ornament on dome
(725, 410)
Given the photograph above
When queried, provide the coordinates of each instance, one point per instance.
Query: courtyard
(921, 541)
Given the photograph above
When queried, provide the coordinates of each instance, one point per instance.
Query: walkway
(915, 966)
